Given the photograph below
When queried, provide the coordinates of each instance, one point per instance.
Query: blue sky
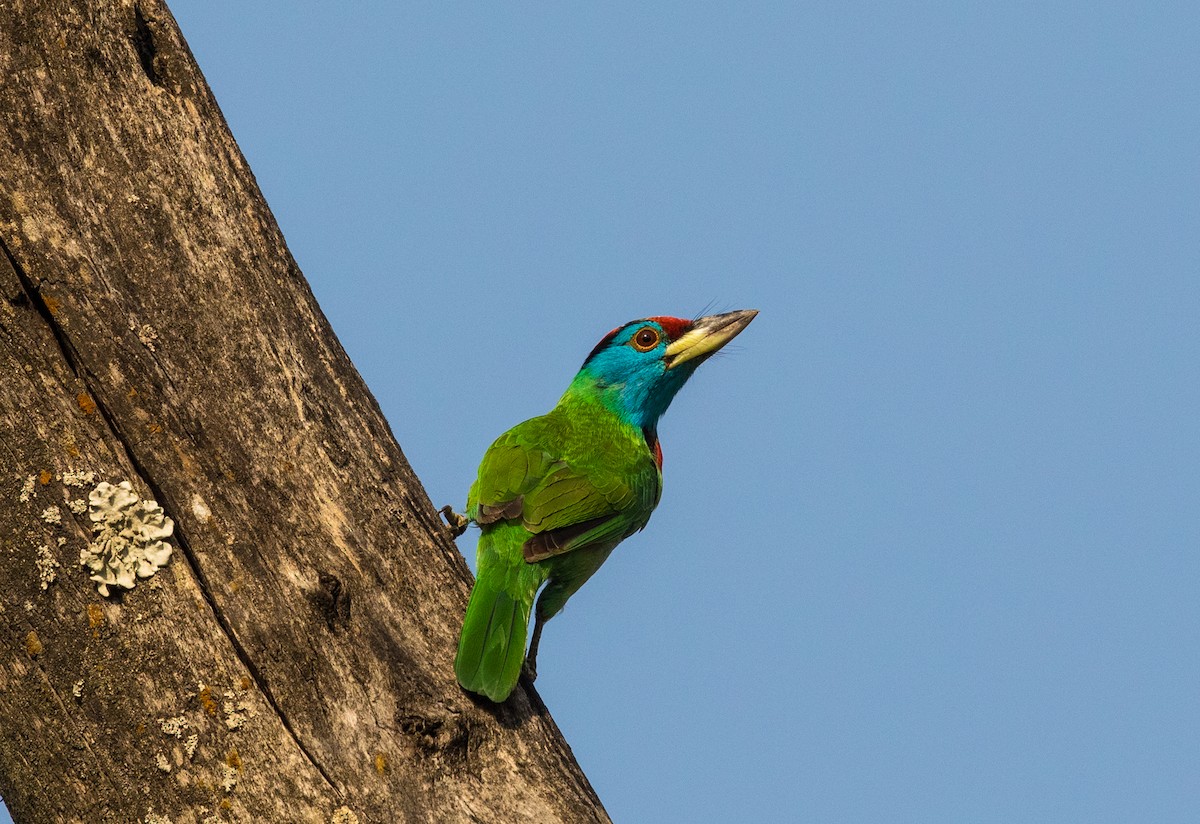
(928, 545)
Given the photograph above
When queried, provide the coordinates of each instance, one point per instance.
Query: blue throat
(636, 391)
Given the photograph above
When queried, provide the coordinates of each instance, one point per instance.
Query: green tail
(491, 648)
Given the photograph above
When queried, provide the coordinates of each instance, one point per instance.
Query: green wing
(562, 504)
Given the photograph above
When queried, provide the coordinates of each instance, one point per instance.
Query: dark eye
(646, 339)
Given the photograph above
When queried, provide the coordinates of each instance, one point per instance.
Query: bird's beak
(707, 335)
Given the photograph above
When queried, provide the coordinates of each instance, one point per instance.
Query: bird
(556, 494)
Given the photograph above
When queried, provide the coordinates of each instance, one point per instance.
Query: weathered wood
(155, 329)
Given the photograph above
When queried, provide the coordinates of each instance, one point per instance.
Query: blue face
(629, 371)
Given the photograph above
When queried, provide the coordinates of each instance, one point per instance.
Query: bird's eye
(646, 339)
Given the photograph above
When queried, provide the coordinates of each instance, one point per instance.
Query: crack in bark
(69, 354)
(35, 297)
(143, 44)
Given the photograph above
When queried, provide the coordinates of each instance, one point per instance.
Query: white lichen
(237, 712)
(52, 515)
(229, 777)
(146, 333)
(27, 489)
(343, 815)
(79, 478)
(129, 537)
(200, 509)
(78, 506)
(47, 566)
(77, 690)
(162, 763)
(189, 746)
(176, 726)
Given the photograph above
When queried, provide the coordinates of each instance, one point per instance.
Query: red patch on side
(655, 447)
(674, 327)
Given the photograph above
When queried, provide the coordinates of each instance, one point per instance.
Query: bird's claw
(456, 522)
(529, 670)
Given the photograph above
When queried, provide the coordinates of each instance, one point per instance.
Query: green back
(578, 464)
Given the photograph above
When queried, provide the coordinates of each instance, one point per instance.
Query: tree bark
(293, 660)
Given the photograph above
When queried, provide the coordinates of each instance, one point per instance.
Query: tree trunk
(293, 661)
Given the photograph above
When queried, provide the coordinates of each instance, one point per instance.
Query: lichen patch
(205, 697)
(229, 778)
(230, 771)
(78, 478)
(237, 710)
(176, 726)
(129, 537)
(47, 566)
(96, 619)
(52, 515)
(27, 489)
(146, 333)
(200, 509)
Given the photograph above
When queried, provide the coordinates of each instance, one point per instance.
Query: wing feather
(562, 504)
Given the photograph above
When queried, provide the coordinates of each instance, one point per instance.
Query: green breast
(576, 463)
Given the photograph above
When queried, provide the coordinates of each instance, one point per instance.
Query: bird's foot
(457, 523)
(529, 665)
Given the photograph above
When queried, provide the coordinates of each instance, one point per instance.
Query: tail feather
(491, 648)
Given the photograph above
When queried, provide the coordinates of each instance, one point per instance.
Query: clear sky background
(928, 548)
